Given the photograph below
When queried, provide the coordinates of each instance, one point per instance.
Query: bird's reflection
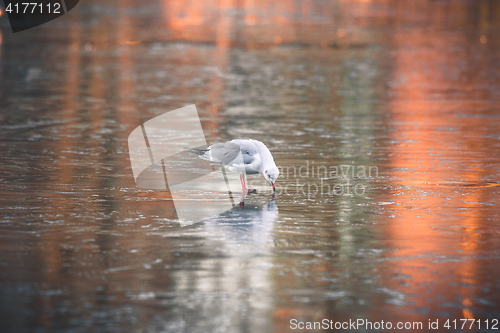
(233, 274)
(247, 228)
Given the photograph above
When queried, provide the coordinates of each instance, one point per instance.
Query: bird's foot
(251, 191)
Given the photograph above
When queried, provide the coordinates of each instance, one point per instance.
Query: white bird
(256, 159)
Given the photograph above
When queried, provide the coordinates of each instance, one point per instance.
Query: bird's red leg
(243, 185)
(243, 189)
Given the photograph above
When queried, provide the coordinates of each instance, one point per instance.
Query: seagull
(255, 158)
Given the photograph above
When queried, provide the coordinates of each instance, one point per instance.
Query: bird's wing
(248, 149)
(225, 153)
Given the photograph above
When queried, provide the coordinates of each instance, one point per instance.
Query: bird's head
(271, 174)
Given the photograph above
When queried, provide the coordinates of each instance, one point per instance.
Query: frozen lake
(383, 117)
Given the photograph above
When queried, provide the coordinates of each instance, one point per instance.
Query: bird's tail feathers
(204, 154)
(197, 151)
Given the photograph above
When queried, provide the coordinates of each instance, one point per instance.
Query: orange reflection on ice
(437, 166)
(256, 23)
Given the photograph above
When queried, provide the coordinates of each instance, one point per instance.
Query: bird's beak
(274, 189)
